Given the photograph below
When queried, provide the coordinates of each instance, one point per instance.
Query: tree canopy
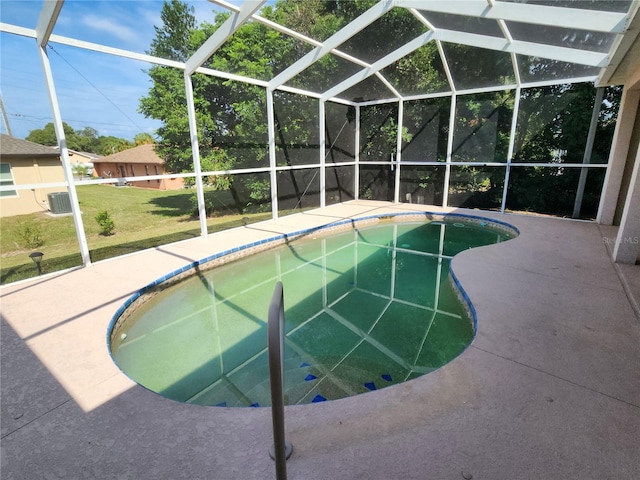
(86, 139)
(232, 119)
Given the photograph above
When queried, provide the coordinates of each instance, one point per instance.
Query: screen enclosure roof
(472, 45)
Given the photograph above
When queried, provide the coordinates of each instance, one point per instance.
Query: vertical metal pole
(588, 149)
(195, 153)
(4, 118)
(512, 142)
(396, 193)
(447, 172)
(323, 148)
(272, 154)
(281, 448)
(64, 156)
(356, 177)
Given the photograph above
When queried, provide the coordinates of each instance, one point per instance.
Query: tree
(173, 38)
(86, 139)
(47, 135)
(110, 145)
(166, 99)
(143, 139)
(232, 121)
(231, 116)
(553, 125)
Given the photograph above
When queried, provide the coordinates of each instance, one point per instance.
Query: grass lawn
(143, 218)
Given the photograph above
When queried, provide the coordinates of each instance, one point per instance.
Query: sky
(94, 89)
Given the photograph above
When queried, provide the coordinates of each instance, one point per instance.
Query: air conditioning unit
(59, 202)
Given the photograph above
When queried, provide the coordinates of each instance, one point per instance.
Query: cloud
(111, 27)
(150, 16)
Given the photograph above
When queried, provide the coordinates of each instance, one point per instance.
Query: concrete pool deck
(549, 389)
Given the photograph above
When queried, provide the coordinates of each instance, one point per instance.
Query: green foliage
(215, 161)
(47, 135)
(106, 223)
(232, 115)
(553, 125)
(143, 139)
(260, 191)
(80, 170)
(110, 145)
(31, 235)
(379, 132)
(255, 195)
(173, 37)
(483, 125)
(84, 140)
(232, 120)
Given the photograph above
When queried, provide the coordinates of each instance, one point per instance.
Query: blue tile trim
(466, 299)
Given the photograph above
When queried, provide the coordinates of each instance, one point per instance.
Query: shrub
(106, 223)
(31, 235)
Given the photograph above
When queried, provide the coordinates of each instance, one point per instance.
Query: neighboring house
(136, 162)
(82, 161)
(82, 158)
(23, 163)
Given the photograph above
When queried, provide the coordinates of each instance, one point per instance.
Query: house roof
(16, 147)
(140, 154)
(88, 155)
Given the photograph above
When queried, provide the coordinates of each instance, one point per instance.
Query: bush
(31, 235)
(106, 223)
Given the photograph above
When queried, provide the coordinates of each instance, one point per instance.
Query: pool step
(248, 386)
(304, 382)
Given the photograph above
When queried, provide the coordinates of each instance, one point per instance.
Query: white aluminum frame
(500, 11)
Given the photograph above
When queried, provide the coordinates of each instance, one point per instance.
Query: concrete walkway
(549, 389)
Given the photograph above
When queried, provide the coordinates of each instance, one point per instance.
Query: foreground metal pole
(281, 449)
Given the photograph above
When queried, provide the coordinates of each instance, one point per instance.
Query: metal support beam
(332, 42)
(447, 172)
(396, 193)
(588, 149)
(271, 127)
(562, 54)
(356, 147)
(46, 22)
(64, 156)
(621, 49)
(215, 41)
(4, 117)
(385, 61)
(195, 153)
(510, 151)
(323, 152)
(595, 20)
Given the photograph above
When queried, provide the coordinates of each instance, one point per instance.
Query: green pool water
(364, 309)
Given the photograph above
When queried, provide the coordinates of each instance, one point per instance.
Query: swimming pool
(367, 305)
